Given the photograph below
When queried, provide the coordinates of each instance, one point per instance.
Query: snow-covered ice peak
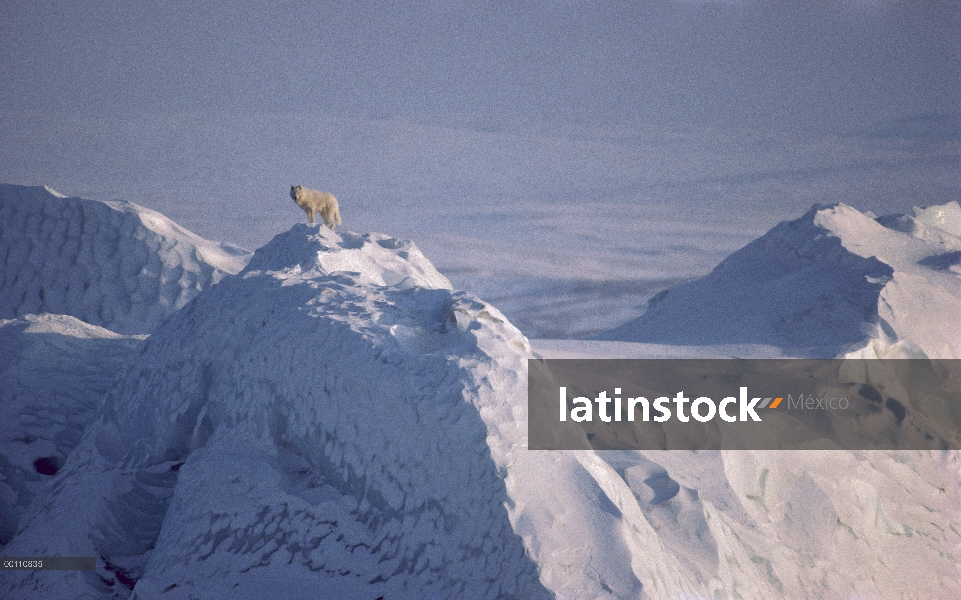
(304, 430)
(374, 258)
(834, 282)
(113, 264)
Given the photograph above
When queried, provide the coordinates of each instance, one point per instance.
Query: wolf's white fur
(316, 201)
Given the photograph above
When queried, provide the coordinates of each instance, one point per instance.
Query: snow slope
(303, 430)
(111, 264)
(833, 282)
(55, 371)
(335, 421)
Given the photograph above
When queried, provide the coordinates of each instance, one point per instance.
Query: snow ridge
(299, 431)
(112, 264)
(334, 421)
(833, 282)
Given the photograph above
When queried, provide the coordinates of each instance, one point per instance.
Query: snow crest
(835, 282)
(302, 430)
(112, 264)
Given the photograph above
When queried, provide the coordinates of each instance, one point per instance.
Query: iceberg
(329, 418)
(112, 264)
(834, 282)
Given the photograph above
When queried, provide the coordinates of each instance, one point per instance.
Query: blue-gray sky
(811, 65)
(609, 139)
(519, 144)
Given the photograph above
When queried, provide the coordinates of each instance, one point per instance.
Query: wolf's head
(294, 190)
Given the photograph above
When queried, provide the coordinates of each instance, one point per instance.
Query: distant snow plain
(567, 228)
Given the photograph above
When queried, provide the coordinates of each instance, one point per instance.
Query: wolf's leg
(310, 215)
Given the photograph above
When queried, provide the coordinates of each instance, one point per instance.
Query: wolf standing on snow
(314, 200)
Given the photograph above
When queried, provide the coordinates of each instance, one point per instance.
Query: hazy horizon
(579, 140)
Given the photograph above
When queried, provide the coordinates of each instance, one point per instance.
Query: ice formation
(336, 421)
(55, 371)
(303, 430)
(109, 263)
(833, 282)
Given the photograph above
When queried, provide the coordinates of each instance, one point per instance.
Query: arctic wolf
(313, 200)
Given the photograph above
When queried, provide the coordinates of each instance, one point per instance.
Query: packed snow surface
(55, 371)
(304, 430)
(109, 263)
(833, 282)
(336, 421)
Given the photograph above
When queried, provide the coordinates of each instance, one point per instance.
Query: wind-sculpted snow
(112, 264)
(298, 431)
(55, 370)
(336, 422)
(833, 282)
(373, 258)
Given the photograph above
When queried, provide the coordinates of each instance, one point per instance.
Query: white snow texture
(302, 432)
(834, 282)
(55, 371)
(111, 264)
(335, 421)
